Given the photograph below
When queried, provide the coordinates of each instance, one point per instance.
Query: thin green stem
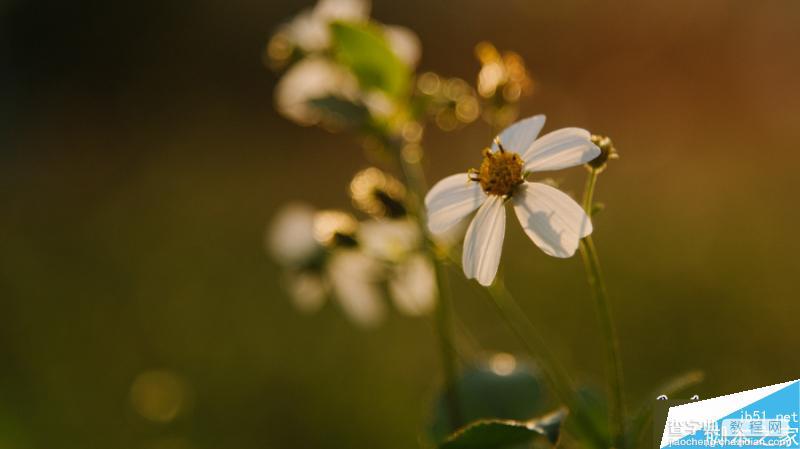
(531, 339)
(444, 330)
(588, 191)
(529, 336)
(415, 180)
(594, 276)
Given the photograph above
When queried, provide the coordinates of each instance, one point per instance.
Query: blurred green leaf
(483, 393)
(498, 433)
(364, 49)
(341, 110)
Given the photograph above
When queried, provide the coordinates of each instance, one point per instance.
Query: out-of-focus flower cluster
(341, 69)
(329, 253)
(502, 81)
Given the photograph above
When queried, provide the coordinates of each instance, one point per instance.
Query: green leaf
(341, 110)
(364, 50)
(483, 393)
(499, 433)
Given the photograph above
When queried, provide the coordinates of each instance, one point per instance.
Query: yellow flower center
(500, 173)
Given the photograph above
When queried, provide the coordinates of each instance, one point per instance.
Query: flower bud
(607, 151)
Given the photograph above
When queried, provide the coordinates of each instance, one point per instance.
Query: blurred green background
(141, 158)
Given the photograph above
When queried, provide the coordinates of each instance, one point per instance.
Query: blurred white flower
(411, 276)
(553, 220)
(389, 240)
(328, 253)
(310, 30)
(412, 285)
(290, 238)
(404, 43)
(310, 79)
(301, 239)
(355, 278)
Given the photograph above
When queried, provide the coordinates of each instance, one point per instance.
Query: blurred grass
(141, 160)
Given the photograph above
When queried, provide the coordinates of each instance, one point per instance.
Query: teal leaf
(484, 393)
(500, 434)
(364, 50)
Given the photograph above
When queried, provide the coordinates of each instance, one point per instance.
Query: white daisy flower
(553, 220)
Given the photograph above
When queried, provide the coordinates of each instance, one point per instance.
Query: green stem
(415, 180)
(538, 350)
(444, 331)
(594, 276)
(531, 339)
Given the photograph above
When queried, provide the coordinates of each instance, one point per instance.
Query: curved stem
(533, 342)
(594, 276)
(531, 339)
(444, 331)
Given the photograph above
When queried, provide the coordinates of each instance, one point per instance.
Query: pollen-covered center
(500, 173)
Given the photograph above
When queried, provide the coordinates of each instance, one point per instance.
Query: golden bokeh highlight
(451, 102)
(429, 83)
(279, 51)
(375, 192)
(330, 225)
(503, 364)
(502, 81)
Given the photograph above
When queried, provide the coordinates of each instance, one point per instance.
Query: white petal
(389, 240)
(355, 280)
(450, 200)
(290, 237)
(566, 147)
(519, 136)
(404, 43)
(413, 286)
(553, 220)
(484, 242)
